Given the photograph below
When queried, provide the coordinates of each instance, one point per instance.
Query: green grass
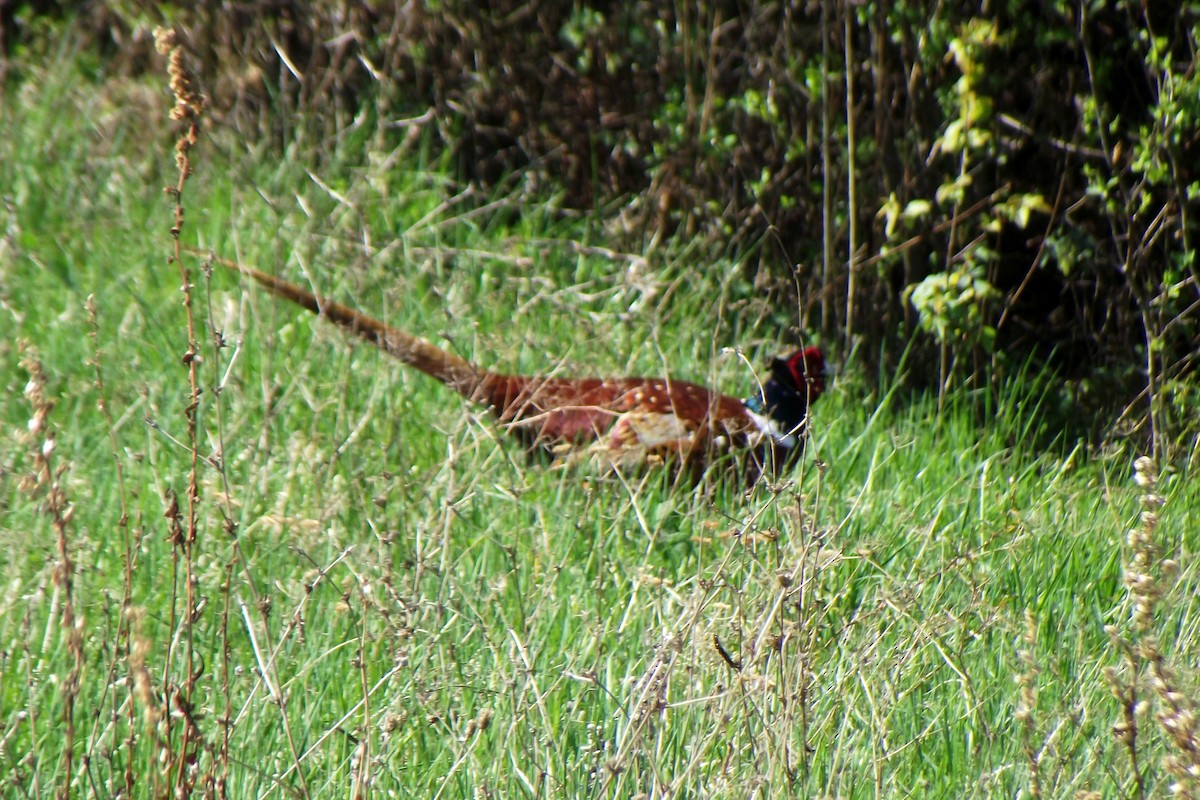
(409, 602)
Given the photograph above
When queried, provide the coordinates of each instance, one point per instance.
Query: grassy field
(383, 596)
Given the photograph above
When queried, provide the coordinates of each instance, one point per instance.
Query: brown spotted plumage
(625, 422)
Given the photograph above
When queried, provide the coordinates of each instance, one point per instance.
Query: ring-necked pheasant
(625, 421)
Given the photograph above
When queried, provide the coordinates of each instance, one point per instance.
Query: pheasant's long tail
(455, 372)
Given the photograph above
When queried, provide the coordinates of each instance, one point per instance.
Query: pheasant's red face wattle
(808, 370)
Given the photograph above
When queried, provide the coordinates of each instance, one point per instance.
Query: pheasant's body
(625, 421)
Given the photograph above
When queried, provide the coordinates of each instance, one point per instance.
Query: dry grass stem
(1027, 702)
(1148, 579)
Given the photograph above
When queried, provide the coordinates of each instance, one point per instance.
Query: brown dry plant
(46, 482)
(180, 769)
